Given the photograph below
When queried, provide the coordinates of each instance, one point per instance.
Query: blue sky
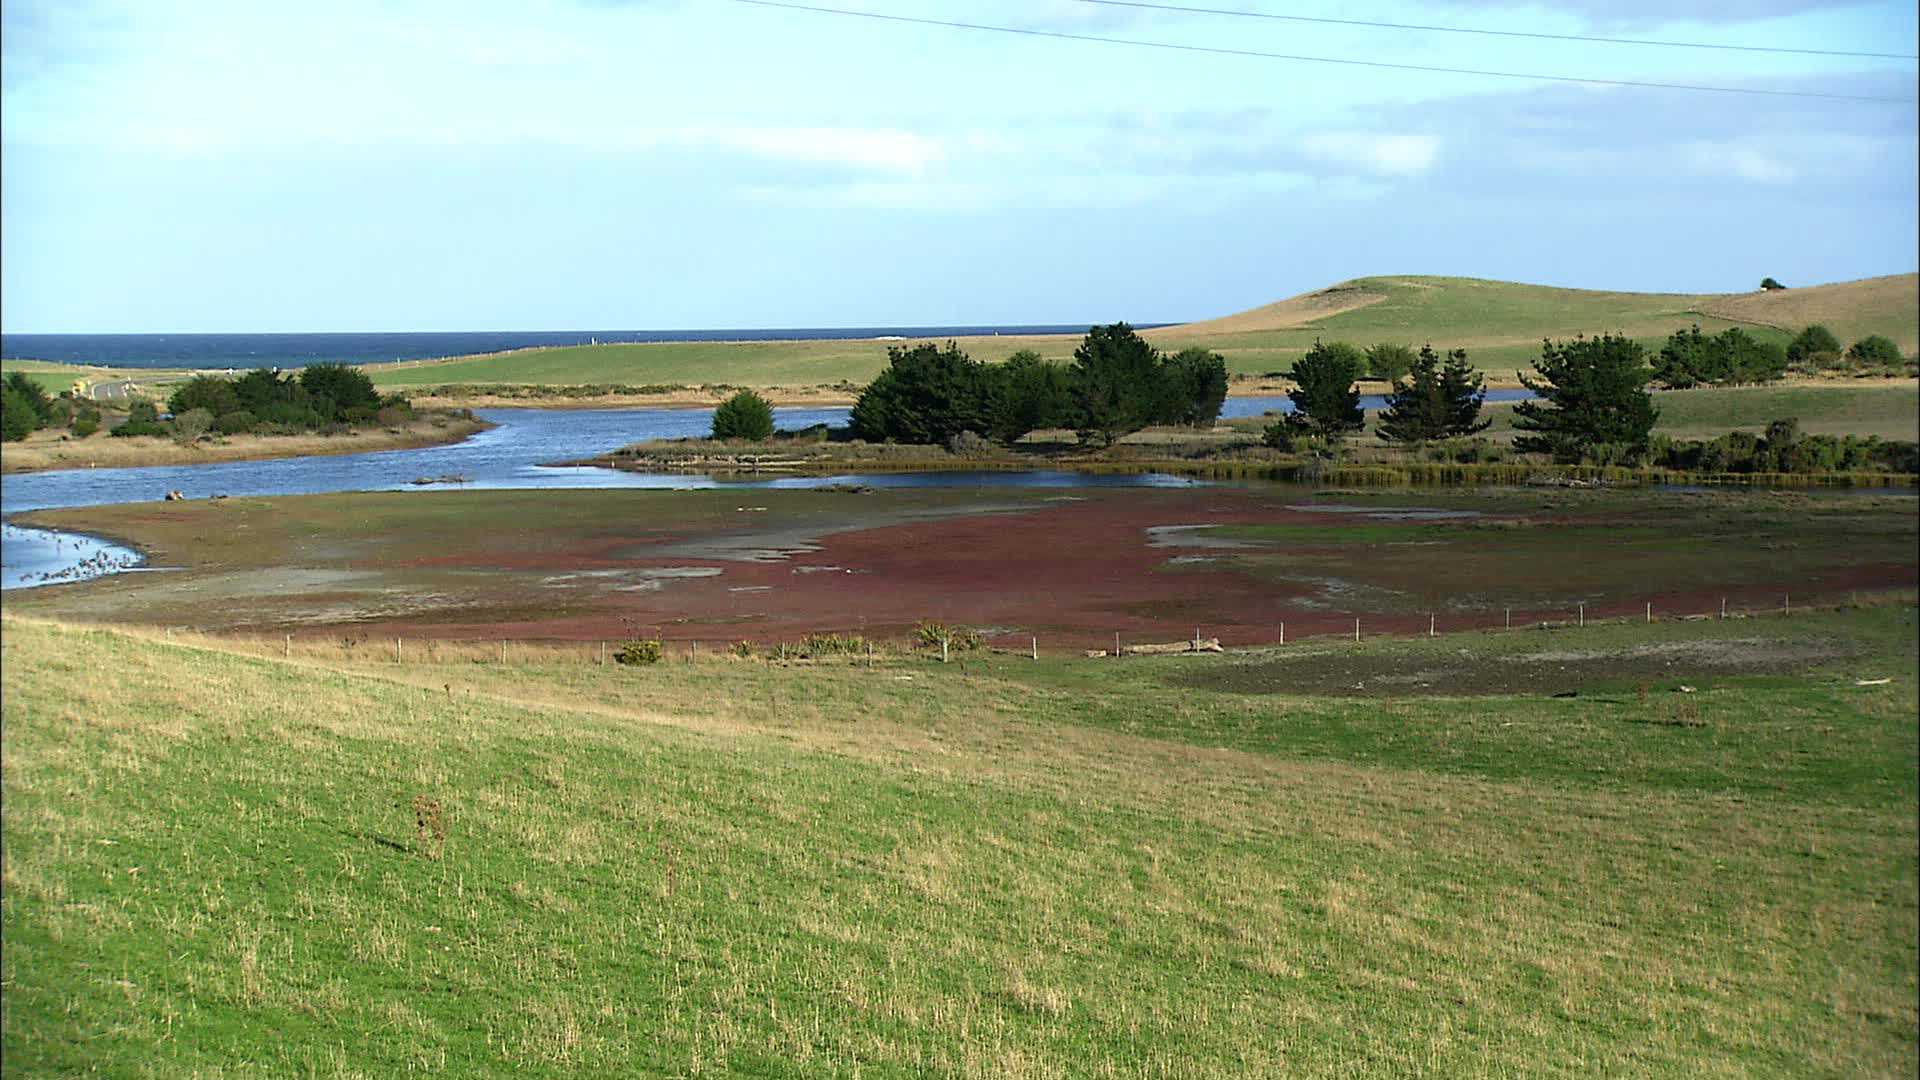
(391, 165)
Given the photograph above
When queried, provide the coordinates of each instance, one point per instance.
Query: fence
(1320, 629)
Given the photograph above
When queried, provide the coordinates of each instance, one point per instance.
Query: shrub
(1388, 362)
(1283, 434)
(968, 445)
(1874, 353)
(745, 415)
(1813, 339)
(215, 395)
(336, 390)
(86, 425)
(1769, 284)
(640, 651)
(237, 422)
(192, 424)
(142, 419)
(925, 396)
(930, 634)
(833, 645)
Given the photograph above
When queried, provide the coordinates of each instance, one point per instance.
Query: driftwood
(1205, 645)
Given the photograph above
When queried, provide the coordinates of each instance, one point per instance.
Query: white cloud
(1383, 155)
(880, 150)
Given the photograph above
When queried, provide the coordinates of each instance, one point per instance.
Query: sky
(679, 164)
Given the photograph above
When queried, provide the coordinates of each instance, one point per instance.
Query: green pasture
(221, 862)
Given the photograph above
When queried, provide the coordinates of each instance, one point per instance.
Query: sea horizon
(295, 349)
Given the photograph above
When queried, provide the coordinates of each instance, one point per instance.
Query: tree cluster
(1784, 449)
(1815, 350)
(26, 407)
(1117, 383)
(1729, 358)
(320, 396)
(1428, 401)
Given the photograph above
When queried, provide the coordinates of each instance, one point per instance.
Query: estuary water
(513, 454)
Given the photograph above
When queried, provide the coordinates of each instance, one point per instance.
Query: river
(509, 455)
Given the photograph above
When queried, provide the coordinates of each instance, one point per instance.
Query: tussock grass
(220, 862)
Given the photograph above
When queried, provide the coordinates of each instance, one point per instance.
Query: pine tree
(1326, 401)
(1593, 392)
(1435, 402)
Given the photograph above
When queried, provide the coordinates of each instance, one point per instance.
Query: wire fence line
(1319, 630)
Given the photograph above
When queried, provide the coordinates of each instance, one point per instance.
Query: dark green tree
(338, 392)
(1814, 339)
(1746, 360)
(1387, 361)
(33, 394)
(1193, 384)
(926, 395)
(1592, 392)
(1769, 284)
(1116, 382)
(1325, 400)
(1436, 402)
(1683, 362)
(745, 415)
(1874, 352)
(1030, 394)
(17, 416)
(209, 392)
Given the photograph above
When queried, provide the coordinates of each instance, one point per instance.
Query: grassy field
(1888, 409)
(1500, 323)
(222, 861)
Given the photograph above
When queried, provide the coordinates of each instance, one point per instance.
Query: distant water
(295, 350)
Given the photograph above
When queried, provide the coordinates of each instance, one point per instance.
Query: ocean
(295, 350)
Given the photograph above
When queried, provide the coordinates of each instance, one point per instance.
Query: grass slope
(1890, 410)
(1500, 323)
(213, 865)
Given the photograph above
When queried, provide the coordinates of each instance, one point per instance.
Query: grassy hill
(1500, 323)
(222, 860)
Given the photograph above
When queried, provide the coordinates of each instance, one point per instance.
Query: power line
(1497, 33)
(1255, 54)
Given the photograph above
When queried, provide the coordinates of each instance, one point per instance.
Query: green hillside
(220, 861)
(1499, 323)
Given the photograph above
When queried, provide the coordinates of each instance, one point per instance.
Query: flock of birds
(106, 560)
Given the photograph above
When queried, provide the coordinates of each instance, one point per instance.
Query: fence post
(396, 650)
(1356, 630)
(943, 649)
(1789, 603)
(1723, 607)
(1431, 618)
(289, 647)
(1116, 644)
(1509, 618)
(1583, 614)
(1649, 613)
(603, 654)
(1036, 647)
(1283, 633)
(503, 650)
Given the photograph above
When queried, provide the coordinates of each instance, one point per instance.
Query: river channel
(512, 454)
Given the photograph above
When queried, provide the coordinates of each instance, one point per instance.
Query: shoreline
(146, 451)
